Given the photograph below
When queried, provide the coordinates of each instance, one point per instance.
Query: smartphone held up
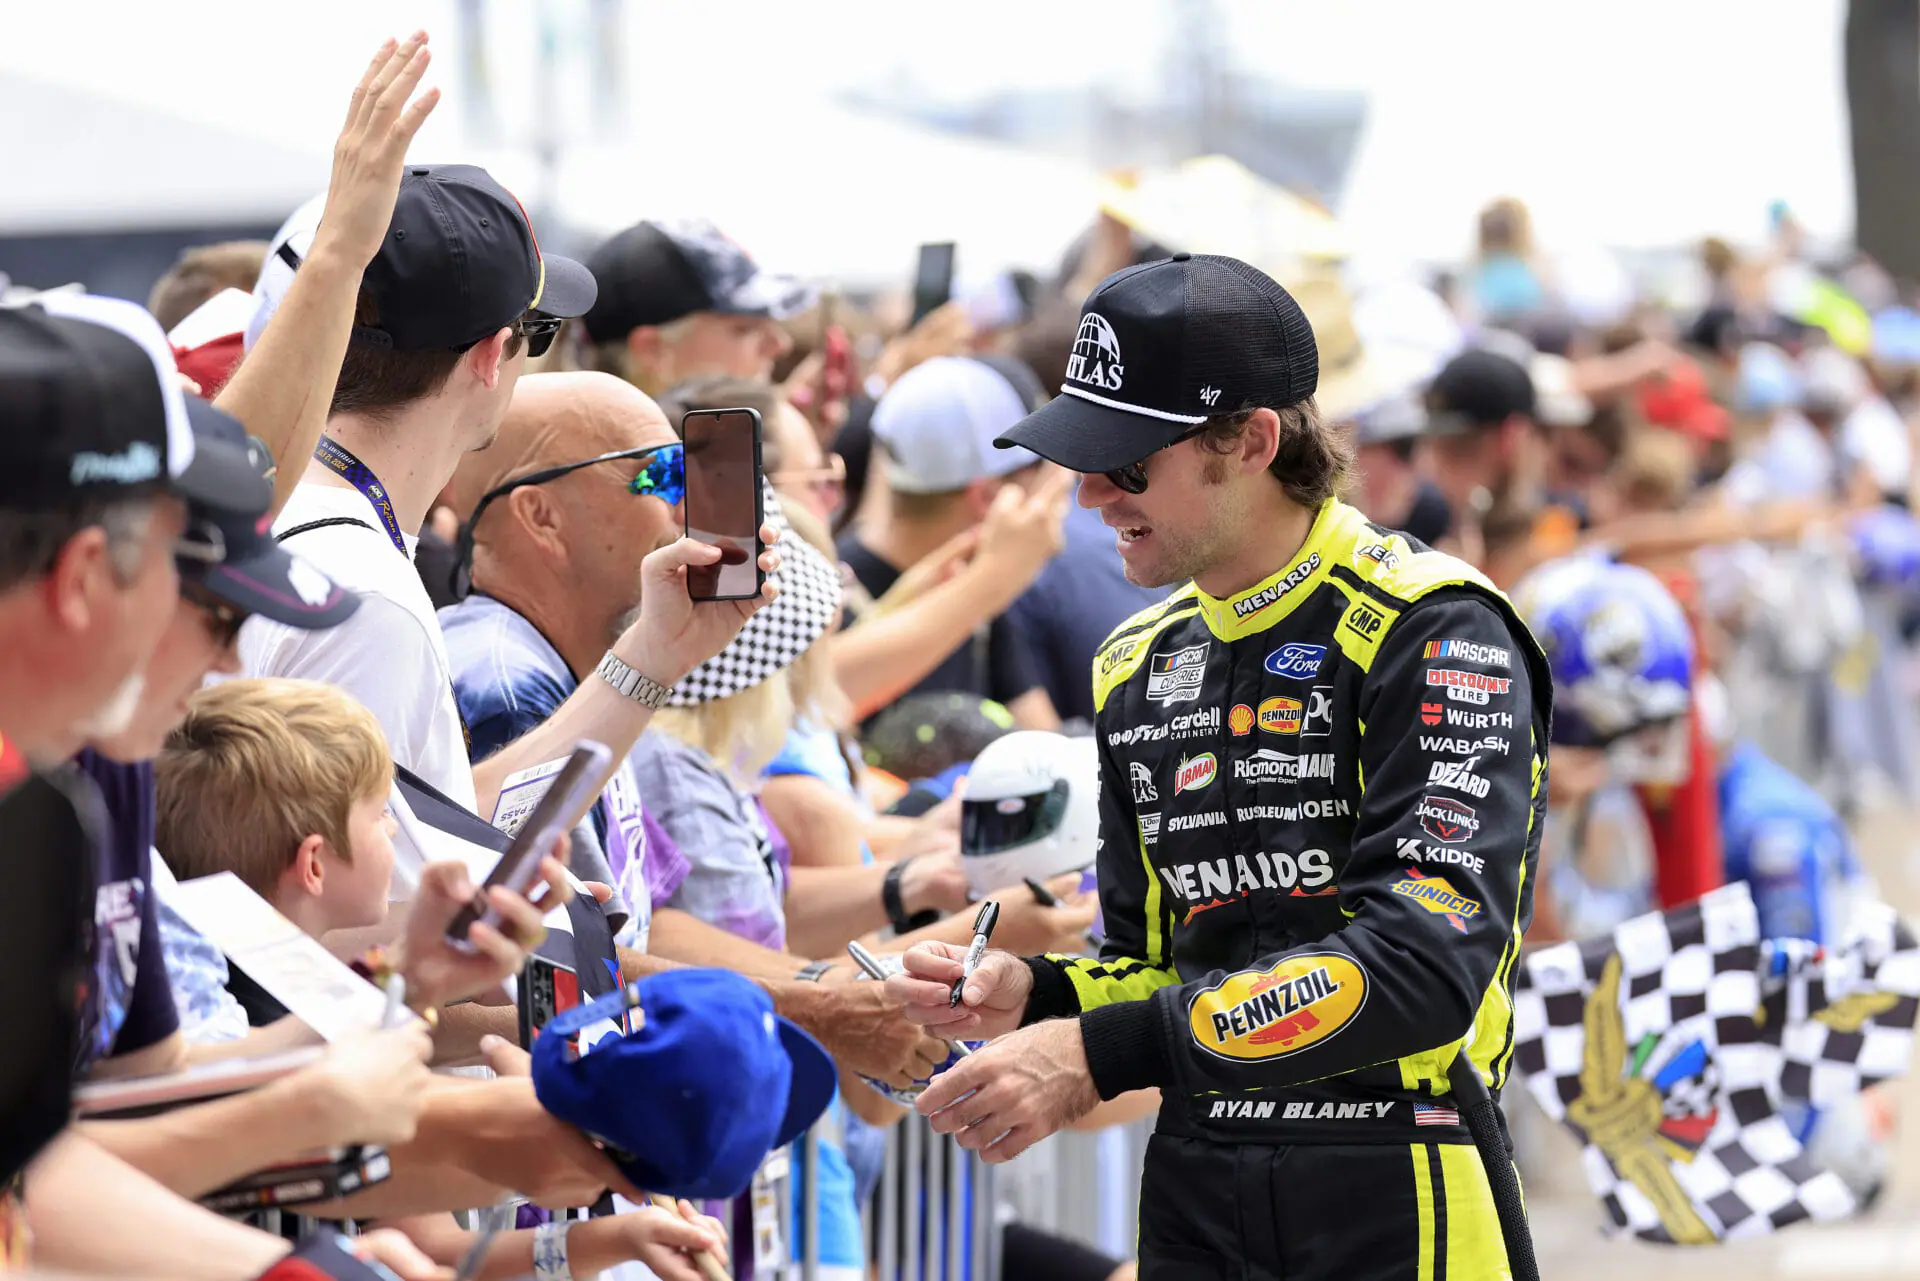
(724, 505)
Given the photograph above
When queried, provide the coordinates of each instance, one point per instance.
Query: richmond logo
(1096, 354)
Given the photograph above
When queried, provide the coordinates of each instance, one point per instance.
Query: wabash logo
(1270, 1014)
(1096, 354)
(1445, 819)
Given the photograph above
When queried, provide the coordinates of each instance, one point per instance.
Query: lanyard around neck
(340, 460)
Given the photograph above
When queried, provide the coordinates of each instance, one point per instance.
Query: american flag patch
(1428, 1114)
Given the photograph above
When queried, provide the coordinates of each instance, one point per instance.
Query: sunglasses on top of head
(662, 475)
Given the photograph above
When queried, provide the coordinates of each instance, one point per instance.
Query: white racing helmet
(1031, 809)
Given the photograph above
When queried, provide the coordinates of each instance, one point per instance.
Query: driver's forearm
(284, 388)
(150, 1232)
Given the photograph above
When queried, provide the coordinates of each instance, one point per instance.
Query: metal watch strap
(638, 686)
(813, 971)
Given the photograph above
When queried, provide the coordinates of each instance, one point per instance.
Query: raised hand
(991, 1003)
(675, 633)
(437, 971)
(382, 118)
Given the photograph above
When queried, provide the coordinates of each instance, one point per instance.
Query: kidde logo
(1195, 772)
(1281, 715)
(1270, 1014)
(1096, 354)
(1240, 720)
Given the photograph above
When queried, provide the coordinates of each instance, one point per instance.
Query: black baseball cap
(1161, 348)
(253, 572)
(1477, 391)
(655, 272)
(91, 408)
(460, 262)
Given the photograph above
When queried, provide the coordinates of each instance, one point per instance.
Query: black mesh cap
(1162, 347)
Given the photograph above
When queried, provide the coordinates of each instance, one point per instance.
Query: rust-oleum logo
(1269, 1014)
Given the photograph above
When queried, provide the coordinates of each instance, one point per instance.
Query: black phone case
(759, 507)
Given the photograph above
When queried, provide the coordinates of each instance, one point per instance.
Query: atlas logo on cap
(1096, 354)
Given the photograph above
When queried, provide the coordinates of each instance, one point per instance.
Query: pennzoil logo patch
(1269, 1014)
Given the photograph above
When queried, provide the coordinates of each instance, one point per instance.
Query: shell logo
(1281, 715)
(1240, 720)
(1270, 1014)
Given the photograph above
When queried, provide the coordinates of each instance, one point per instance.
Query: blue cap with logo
(690, 1101)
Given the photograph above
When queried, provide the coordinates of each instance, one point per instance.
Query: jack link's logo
(1096, 354)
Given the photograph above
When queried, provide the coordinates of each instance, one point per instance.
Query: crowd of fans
(374, 518)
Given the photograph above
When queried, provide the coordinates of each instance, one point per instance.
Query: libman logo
(1195, 772)
(1269, 1014)
(1438, 897)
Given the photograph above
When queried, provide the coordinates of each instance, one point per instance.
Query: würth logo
(1096, 354)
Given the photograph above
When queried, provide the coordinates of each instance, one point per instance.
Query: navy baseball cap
(1161, 348)
(655, 272)
(460, 262)
(692, 1100)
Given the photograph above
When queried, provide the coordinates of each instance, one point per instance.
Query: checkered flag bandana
(1647, 1044)
(808, 604)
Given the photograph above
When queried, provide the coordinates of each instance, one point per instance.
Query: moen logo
(1364, 621)
(1096, 354)
(1248, 606)
(1281, 715)
(1195, 773)
(1436, 896)
(1240, 720)
(1270, 1014)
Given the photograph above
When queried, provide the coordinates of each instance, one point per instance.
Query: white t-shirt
(1874, 437)
(389, 655)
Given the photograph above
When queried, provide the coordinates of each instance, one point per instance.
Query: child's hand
(437, 972)
(667, 1244)
(370, 1088)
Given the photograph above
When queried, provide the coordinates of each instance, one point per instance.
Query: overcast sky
(1636, 122)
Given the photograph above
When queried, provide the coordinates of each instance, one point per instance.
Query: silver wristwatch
(641, 688)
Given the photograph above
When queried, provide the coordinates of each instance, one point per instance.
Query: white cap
(295, 234)
(938, 422)
(1835, 380)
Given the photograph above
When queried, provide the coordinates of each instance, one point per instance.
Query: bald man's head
(556, 419)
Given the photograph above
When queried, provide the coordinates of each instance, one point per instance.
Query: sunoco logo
(1438, 897)
(1267, 1015)
(1251, 605)
(1096, 354)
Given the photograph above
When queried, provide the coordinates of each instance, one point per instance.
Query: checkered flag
(1645, 1043)
(1843, 1017)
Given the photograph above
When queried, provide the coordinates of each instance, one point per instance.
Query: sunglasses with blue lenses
(662, 475)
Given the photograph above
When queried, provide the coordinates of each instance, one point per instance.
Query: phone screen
(723, 500)
(932, 279)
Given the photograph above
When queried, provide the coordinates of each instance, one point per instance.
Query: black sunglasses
(224, 621)
(664, 477)
(539, 331)
(1133, 477)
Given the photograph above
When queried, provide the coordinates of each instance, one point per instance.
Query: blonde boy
(284, 783)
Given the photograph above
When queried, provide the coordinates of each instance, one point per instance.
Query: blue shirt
(128, 1004)
(1071, 609)
(508, 679)
(1785, 841)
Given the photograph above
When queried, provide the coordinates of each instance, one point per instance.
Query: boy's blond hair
(258, 766)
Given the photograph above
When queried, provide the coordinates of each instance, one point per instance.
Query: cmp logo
(1096, 354)
(1364, 621)
(1195, 773)
(1296, 660)
(1273, 1013)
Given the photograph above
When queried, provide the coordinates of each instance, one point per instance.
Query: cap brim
(815, 1078)
(770, 296)
(569, 290)
(1087, 437)
(222, 474)
(266, 579)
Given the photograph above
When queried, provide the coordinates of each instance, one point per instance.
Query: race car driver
(1322, 772)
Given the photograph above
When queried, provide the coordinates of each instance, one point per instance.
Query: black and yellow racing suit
(1320, 813)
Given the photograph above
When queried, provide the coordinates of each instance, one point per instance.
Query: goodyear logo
(1436, 896)
(1281, 715)
(1269, 1014)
